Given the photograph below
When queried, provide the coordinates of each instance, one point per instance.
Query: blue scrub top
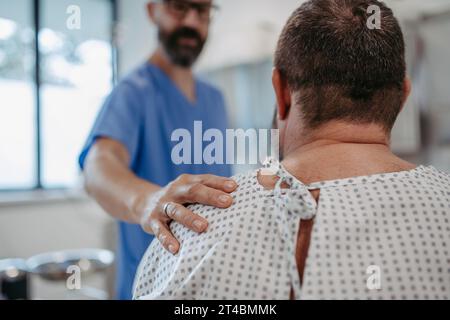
(141, 113)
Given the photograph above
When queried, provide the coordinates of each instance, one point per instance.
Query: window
(50, 98)
(17, 106)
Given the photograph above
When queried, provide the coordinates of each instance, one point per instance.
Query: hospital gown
(385, 236)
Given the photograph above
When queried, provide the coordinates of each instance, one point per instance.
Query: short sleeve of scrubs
(119, 119)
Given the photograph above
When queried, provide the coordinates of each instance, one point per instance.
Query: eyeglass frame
(191, 6)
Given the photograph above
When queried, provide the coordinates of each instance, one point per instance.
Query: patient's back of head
(339, 66)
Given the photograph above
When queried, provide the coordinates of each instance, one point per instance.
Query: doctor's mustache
(185, 32)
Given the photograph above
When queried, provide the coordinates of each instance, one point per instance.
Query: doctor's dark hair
(338, 67)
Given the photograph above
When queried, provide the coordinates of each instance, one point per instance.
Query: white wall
(137, 37)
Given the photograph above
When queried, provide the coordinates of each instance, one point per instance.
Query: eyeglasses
(180, 8)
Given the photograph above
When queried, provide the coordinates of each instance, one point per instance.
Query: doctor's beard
(183, 46)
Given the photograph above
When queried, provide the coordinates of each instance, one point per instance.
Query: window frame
(36, 18)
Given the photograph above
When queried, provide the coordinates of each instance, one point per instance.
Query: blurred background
(54, 78)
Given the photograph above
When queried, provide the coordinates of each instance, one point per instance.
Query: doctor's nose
(193, 20)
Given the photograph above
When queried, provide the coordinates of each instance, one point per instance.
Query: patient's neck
(342, 150)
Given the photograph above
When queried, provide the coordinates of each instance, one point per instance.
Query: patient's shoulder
(439, 175)
(247, 184)
(246, 180)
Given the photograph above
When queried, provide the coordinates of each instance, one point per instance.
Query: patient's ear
(406, 90)
(282, 93)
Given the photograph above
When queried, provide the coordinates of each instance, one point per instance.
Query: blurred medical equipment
(60, 266)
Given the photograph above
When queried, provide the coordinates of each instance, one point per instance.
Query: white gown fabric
(385, 236)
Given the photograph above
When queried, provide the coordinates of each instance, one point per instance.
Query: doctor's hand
(157, 210)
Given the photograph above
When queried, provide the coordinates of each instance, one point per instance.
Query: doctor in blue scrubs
(127, 160)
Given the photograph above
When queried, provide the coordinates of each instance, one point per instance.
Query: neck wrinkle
(335, 133)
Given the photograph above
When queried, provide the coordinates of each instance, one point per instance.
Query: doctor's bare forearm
(111, 183)
(126, 197)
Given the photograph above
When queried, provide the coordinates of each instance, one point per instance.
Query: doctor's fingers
(220, 183)
(200, 193)
(186, 217)
(162, 232)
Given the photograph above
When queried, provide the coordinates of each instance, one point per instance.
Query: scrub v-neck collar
(175, 89)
